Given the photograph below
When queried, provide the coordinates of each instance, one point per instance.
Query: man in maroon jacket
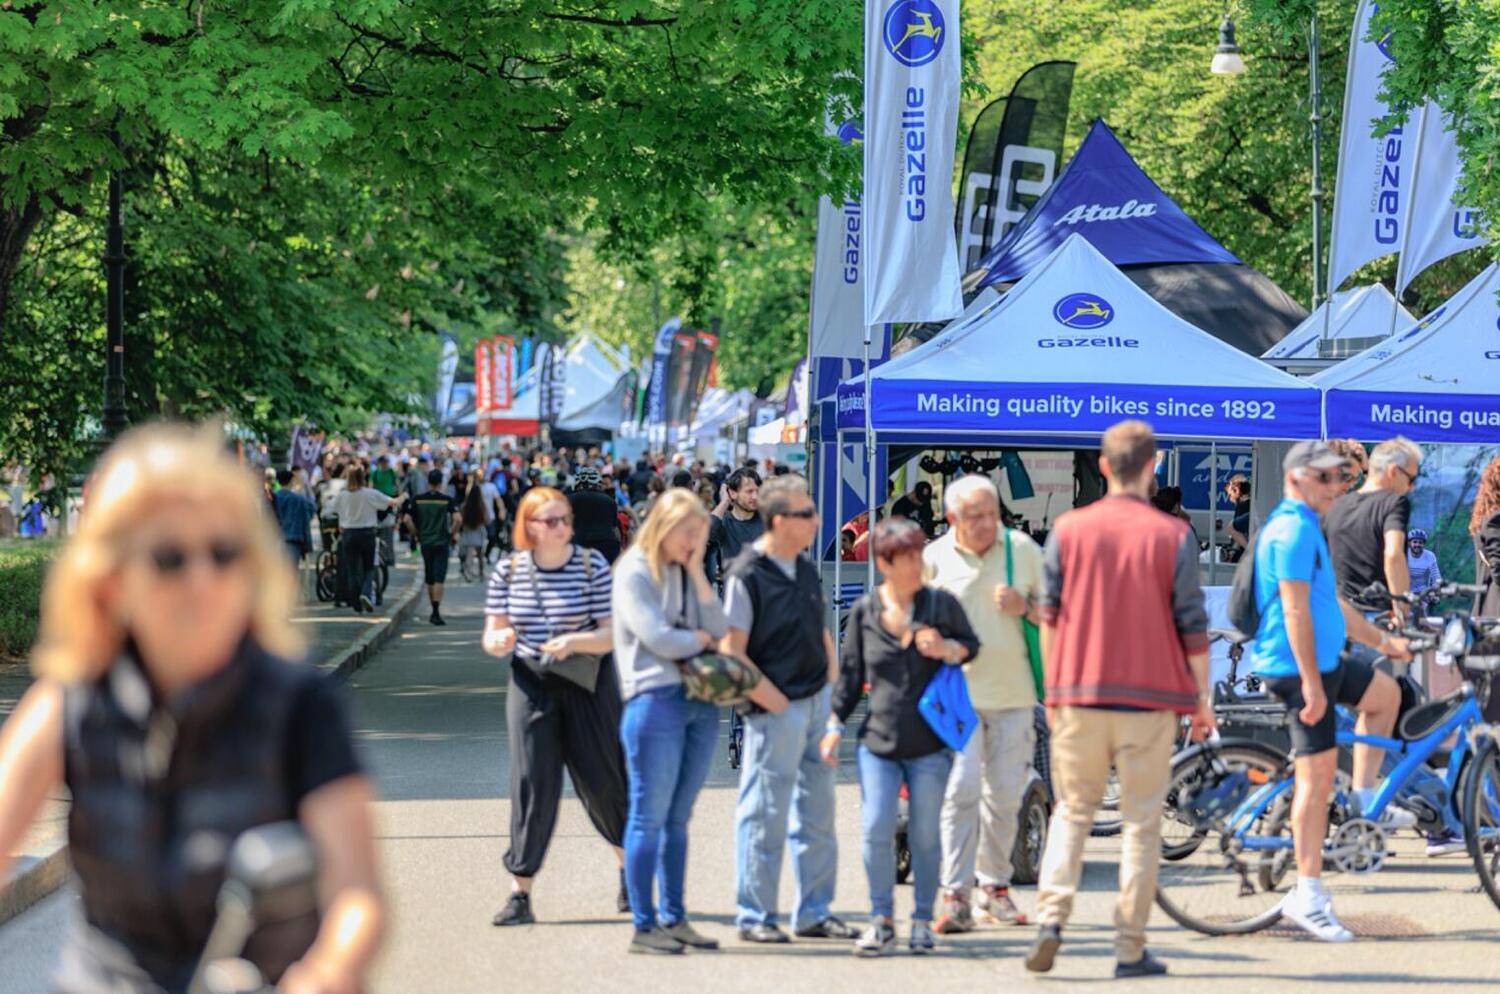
(1125, 638)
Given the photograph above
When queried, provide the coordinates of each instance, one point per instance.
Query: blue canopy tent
(1083, 347)
(1436, 381)
(1105, 197)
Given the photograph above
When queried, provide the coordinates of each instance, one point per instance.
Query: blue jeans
(880, 780)
(783, 779)
(669, 746)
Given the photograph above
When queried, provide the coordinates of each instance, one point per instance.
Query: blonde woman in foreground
(665, 611)
(168, 702)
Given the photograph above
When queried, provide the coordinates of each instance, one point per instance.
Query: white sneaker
(878, 939)
(921, 940)
(1393, 817)
(1316, 917)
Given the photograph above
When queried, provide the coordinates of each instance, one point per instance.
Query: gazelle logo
(914, 31)
(1084, 311)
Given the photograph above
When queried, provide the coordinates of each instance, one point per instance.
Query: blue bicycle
(1227, 859)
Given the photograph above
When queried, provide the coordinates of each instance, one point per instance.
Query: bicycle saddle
(1231, 635)
(1424, 718)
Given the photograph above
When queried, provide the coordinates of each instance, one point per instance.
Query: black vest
(160, 793)
(786, 637)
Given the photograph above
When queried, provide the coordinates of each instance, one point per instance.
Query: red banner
(484, 376)
(504, 365)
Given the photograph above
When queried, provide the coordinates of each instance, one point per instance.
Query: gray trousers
(982, 806)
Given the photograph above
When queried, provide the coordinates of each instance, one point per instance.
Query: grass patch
(23, 567)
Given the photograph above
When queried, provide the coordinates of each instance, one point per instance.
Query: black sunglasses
(805, 513)
(1411, 477)
(171, 559)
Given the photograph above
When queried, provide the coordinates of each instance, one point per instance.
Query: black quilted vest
(160, 793)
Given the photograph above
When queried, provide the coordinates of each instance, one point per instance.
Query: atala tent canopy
(1083, 347)
(1436, 381)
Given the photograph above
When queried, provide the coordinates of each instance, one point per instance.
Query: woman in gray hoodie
(664, 611)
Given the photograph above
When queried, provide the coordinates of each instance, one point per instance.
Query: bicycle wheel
(1481, 812)
(328, 576)
(1192, 770)
(1206, 881)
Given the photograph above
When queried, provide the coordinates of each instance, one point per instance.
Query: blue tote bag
(946, 706)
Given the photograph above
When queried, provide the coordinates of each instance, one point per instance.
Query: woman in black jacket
(897, 640)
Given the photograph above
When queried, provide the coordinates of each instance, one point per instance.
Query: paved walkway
(430, 717)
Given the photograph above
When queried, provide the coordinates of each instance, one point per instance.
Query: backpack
(1243, 608)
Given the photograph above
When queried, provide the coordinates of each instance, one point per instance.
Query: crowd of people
(633, 602)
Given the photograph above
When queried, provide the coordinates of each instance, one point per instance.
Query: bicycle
(328, 571)
(1228, 864)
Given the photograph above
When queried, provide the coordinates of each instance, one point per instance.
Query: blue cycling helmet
(1416, 533)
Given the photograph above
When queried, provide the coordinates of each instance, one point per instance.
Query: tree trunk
(16, 228)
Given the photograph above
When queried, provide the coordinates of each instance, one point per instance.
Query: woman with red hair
(548, 608)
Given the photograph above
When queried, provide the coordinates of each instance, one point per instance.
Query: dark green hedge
(23, 566)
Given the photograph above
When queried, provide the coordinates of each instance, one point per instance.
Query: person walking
(996, 574)
(358, 508)
(1125, 637)
(294, 512)
(474, 521)
(547, 603)
(1299, 655)
(596, 521)
(898, 638)
(434, 520)
(774, 603)
(171, 701)
(665, 610)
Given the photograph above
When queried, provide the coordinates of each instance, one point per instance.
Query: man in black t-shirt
(736, 522)
(1366, 529)
(433, 517)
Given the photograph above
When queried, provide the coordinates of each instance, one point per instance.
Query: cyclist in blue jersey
(1299, 654)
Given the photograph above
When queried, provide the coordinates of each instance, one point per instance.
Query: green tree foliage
(316, 184)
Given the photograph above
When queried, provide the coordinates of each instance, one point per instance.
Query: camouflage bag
(718, 679)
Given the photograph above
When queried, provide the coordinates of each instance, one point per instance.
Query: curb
(34, 877)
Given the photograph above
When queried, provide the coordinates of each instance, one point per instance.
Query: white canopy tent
(1356, 318)
(1437, 381)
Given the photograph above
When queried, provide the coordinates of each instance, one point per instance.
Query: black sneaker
(1044, 949)
(437, 619)
(656, 941)
(622, 899)
(829, 928)
(517, 911)
(1146, 966)
(764, 933)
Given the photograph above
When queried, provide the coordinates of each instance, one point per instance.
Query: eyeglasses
(806, 514)
(170, 559)
(1326, 476)
(561, 521)
(1411, 477)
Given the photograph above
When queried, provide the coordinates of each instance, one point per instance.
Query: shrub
(23, 566)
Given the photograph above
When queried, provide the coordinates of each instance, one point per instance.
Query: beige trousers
(1086, 742)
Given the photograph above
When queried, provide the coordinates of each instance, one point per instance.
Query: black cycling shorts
(435, 563)
(1345, 684)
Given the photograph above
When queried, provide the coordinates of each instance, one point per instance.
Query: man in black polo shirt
(433, 517)
(775, 609)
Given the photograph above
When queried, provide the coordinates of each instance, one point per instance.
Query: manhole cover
(1363, 927)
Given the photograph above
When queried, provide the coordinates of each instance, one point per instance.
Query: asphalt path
(430, 716)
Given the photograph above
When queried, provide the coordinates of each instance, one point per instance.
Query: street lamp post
(1228, 61)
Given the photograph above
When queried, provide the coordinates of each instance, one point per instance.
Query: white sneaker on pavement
(1316, 917)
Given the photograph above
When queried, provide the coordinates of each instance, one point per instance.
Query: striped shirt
(569, 599)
